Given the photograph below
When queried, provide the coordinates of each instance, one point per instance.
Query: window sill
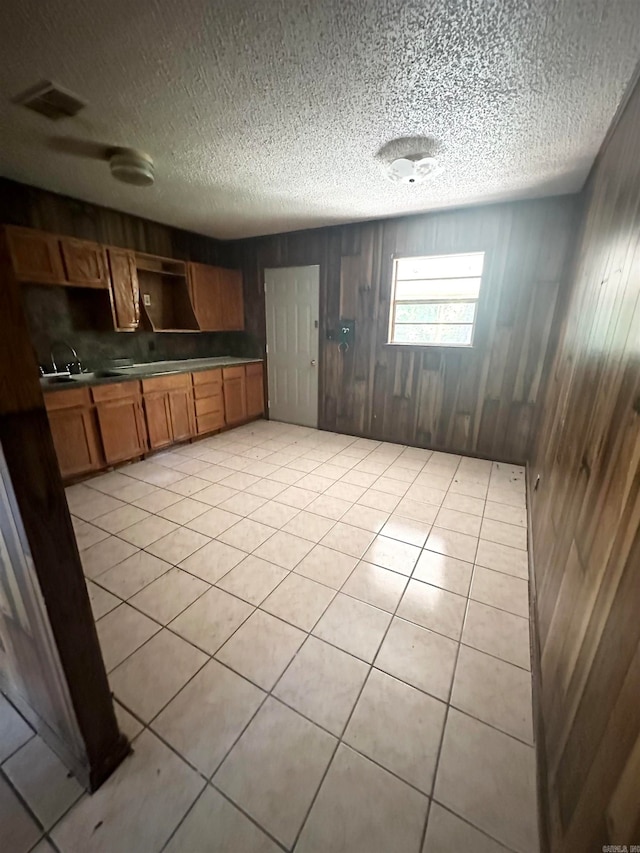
(428, 346)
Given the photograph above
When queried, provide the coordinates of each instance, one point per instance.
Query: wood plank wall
(586, 517)
(480, 401)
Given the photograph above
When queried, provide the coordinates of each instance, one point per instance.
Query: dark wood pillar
(51, 664)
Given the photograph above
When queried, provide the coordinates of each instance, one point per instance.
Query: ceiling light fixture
(414, 169)
(131, 167)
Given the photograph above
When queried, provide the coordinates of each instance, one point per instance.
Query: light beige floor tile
(211, 620)
(213, 561)
(87, 534)
(445, 572)
(495, 692)
(246, 534)
(500, 590)
(366, 517)
(462, 522)
(147, 680)
(184, 511)
(433, 608)
(216, 494)
(434, 478)
(397, 472)
(205, 718)
(19, 830)
(323, 683)
(452, 544)
(391, 486)
(327, 566)
(489, 779)
(498, 633)
(348, 539)
(303, 464)
(377, 586)
(275, 769)
(299, 601)
(213, 521)
(308, 525)
(315, 483)
(44, 846)
(502, 558)
(353, 626)
(274, 514)
(261, 648)
(89, 504)
(252, 579)
(398, 727)
(464, 503)
(416, 510)
(469, 487)
(505, 534)
(267, 489)
(330, 471)
(510, 497)
(169, 595)
(137, 808)
(418, 656)
(296, 497)
(120, 519)
(330, 507)
(286, 476)
(128, 724)
(102, 556)
(214, 825)
(239, 480)
(284, 549)
(381, 501)
(109, 483)
(358, 478)
(406, 530)
(14, 731)
(178, 545)
(447, 833)
(344, 492)
(362, 807)
(132, 574)
(101, 600)
(392, 554)
(157, 500)
(43, 781)
(372, 467)
(506, 513)
(426, 494)
(121, 632)
(242, 504)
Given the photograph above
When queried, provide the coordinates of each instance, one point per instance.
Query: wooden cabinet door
(35, 255)
(75, 437)
(124, 287)
(235, 403)
(84, 262)
(204, 289)
(156, 407)
(182, 414)
(232, 299)
(122, 429)
(255, 390)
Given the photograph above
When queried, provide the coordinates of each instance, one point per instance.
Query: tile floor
(317, 643)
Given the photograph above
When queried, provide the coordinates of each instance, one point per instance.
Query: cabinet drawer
(67, 399)
(254, 369)
(204, 377)
(167, 383)
(209, 405)
(207, 423)
(210, 390)
(115, 391)
(233, 372)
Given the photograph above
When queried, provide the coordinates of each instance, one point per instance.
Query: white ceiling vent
(50, 100)
(413, 170)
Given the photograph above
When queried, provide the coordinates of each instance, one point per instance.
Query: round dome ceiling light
(413, 169)
(131, 167)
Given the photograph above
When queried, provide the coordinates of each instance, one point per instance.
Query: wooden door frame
(321, 337)
(38, 501)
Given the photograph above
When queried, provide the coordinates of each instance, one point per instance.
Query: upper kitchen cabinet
(216, 295)
(85, 263)
(125, 289)
(35, 255)
(164, 294)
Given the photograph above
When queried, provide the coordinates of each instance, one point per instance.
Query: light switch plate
(146, 298)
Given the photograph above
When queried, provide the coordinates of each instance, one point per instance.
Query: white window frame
(437, 300)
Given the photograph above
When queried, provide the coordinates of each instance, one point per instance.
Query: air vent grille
(50, 100)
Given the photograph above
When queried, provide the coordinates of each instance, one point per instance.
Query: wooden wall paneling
(586, 516)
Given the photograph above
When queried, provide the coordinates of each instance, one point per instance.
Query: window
(435, 299)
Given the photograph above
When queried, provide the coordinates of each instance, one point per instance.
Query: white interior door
(292, 296)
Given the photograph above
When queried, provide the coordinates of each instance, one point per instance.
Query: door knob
(313, 362)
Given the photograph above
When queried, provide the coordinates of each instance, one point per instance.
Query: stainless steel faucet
(77, 361)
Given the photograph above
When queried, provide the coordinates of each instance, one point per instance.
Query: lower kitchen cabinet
(234, 392)
(209, 400)
(254, 387)
(181, 413)
(156, 407)
(168, 403)
(75, 433)
(121, 420)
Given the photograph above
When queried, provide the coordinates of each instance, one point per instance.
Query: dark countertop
(142, 371)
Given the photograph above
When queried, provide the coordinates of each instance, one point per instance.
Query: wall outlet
(146, 299)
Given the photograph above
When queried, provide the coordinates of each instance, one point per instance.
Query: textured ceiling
(266, 115)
